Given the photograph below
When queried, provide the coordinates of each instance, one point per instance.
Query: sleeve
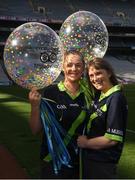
(116, 118)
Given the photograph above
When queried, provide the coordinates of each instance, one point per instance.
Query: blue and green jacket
(108, 118)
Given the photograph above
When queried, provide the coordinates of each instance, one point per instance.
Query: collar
(110, 91)
(62, 87)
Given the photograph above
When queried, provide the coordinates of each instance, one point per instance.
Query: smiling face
(73, 67)
(100, 79)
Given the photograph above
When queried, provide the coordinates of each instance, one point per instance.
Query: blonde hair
(74, 52)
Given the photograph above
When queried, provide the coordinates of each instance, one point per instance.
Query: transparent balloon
(85, 32)
(33, 55)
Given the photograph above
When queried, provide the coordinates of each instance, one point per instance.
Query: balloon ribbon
(53, 130)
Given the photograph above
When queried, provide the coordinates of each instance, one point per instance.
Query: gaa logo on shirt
(61, 106)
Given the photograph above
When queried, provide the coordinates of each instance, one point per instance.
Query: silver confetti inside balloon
(33, 55)
(85, 31)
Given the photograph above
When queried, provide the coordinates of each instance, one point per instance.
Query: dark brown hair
(100, 63)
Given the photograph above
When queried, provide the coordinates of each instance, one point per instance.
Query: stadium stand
(4, 79)
(117, 15)
(124, 69)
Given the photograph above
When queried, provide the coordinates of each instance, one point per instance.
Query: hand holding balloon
(34, 98)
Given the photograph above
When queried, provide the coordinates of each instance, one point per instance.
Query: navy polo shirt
(67, 109)
(108, 118)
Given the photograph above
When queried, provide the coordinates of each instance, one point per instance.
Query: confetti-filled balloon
(33, 55)
(85, 31)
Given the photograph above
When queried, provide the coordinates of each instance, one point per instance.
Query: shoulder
(118, 100)
(51, 90)
(119, 95)
(52, 86)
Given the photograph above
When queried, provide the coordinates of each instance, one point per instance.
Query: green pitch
(127, 161)
(16, 135)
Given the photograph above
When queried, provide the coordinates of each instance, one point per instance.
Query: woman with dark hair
(103, 141)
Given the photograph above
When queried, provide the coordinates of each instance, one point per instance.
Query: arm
(95, 143)
(34, 99)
